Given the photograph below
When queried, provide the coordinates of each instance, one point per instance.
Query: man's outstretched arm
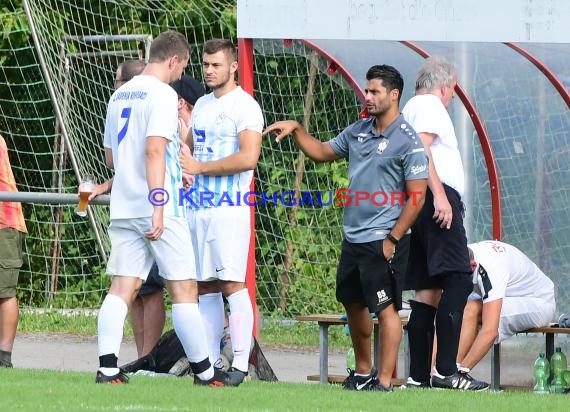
(312, 147)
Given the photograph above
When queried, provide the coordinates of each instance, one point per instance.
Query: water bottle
(350, 360)
(558, 364)
(541, 374)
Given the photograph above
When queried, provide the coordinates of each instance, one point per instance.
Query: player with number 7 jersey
(141, 138)
(144, 106)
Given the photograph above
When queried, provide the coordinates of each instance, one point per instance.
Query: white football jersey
(504, 271)
(427, 114)
(216, 123)
(142, 107)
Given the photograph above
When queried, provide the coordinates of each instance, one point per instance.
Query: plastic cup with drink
(85, 189)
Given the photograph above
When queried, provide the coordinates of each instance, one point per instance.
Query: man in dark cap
(189, 91)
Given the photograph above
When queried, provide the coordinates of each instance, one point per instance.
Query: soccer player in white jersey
(226, 138)
(511, 295)
(147, 223)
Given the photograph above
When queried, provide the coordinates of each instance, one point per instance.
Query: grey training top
(378, 166)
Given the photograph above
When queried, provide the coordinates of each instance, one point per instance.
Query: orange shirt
(10, 212)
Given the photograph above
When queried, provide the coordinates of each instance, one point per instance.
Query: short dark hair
(167, 44)
(215, 45)
(130, 68)
(391, 78)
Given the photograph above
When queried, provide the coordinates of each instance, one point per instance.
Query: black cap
(189, 89)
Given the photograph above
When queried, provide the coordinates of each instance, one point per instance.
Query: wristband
(392, 239)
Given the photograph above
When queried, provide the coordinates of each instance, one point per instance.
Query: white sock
(241, 328)
(110, 323)
(211, 307)
(189, 328)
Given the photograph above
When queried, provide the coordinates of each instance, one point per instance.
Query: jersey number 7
(125, 114)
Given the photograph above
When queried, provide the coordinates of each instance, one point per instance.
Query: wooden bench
(548, 331)
(324, 321)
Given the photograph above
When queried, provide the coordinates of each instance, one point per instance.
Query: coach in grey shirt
(388, 170)
(378, 167)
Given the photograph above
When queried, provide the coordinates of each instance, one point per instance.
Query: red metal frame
(335, 66)
(485, 146)
(245, 76)
(558, 85)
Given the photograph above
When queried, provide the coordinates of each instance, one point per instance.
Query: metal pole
(50, 198)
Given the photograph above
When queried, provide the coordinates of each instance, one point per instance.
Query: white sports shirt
(216, 123)
(504, 271)
(427, 114)
(142, 107)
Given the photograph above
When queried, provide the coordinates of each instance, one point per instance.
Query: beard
(219, 84)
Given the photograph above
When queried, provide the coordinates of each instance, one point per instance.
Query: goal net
(71, 72)
(58, 60)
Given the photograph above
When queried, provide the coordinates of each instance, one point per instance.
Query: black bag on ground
(168, 357)
(166, 353)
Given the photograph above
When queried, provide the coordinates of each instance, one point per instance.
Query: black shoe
(5, 364)
(235, 376)
(364, 383)
(220, 378)
(118, 379)
(413, 384)
(459, 380)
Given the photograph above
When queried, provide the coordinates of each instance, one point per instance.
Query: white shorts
(522, 313)
(132, 254)
(220, 236)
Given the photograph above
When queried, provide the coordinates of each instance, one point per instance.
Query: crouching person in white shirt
(511, 294)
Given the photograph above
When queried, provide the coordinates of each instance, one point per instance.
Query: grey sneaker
(459, 380)
(235, 377)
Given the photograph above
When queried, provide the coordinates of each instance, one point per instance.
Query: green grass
(30, 390)
(273, 332)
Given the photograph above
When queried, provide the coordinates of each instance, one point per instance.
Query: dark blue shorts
(365, 276)
(435, 251)
(154, 283)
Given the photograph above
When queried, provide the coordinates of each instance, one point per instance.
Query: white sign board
(539, 21)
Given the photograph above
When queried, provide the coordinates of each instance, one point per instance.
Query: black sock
(449, 318)
(420, 335)
(199, 367)
(6, 356)
(108, 361)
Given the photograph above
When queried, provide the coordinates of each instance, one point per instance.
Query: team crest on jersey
(382, 146)
(221, 117)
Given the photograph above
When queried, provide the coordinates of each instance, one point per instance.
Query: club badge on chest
(382, 145)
